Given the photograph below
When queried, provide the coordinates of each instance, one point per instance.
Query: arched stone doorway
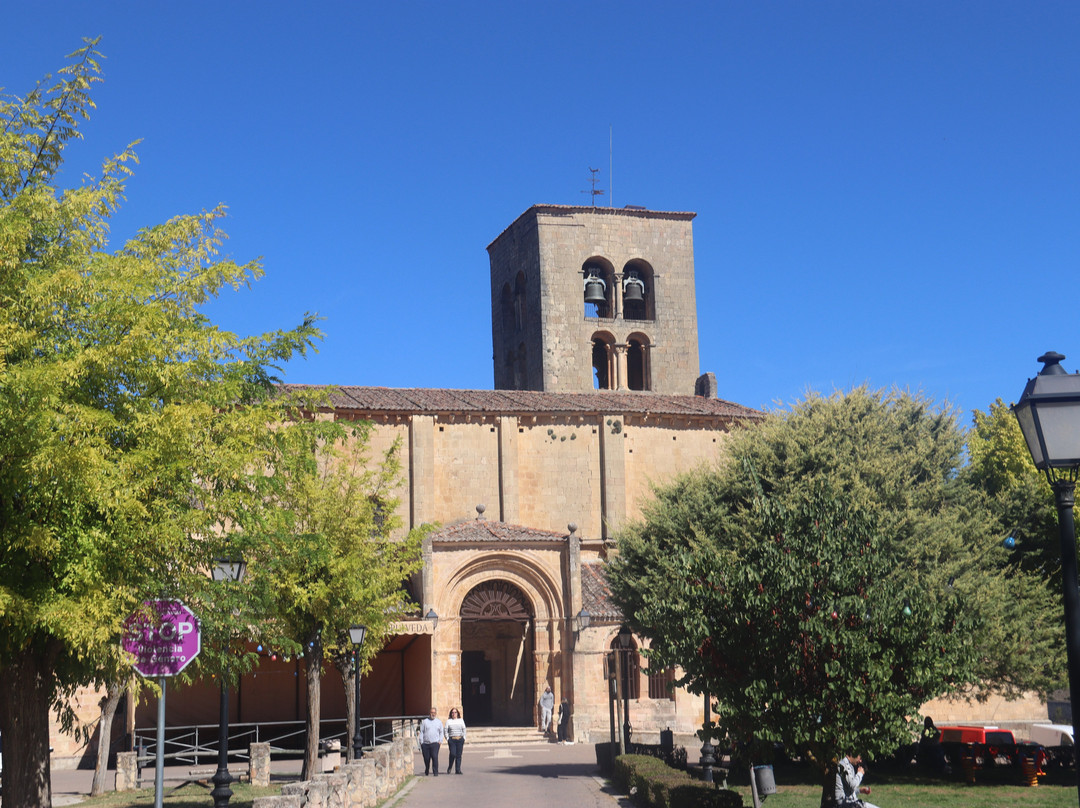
(497, 643)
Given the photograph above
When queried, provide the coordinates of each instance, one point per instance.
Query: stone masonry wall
(363, 784)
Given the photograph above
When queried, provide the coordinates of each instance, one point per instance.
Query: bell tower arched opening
(603, 361)
(637, 362)
(497, 644)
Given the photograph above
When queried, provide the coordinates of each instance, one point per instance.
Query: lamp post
(708, 759)
(225, 570)
(1049, 416)
(356, 635)
(626, 641)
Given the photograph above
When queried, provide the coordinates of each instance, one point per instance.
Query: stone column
(620, 367)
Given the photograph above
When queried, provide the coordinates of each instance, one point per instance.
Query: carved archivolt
(495, 600)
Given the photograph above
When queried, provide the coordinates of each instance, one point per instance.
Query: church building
(598, 396)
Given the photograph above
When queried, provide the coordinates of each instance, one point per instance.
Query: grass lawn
(939, 795)
(892, 787)
(190, 796)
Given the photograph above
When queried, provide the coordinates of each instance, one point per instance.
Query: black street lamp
(626, 642)
(1049, 416)
(708, 759)
(356, 635)
(225, 570)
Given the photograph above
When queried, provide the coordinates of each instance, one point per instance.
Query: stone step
(504, 736)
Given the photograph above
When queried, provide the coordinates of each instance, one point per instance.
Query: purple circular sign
(163, 638)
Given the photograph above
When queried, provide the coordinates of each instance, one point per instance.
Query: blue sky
(887, 192)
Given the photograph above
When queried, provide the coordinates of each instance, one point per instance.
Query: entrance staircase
(506, 736)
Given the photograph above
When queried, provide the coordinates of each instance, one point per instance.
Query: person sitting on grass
(849, 776)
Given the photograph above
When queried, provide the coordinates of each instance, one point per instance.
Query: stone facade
(507, 582)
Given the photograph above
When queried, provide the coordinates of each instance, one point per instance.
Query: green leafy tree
(1023, 517)
(328, 556)
(126, 416)
(826, 580)
(1019, 497)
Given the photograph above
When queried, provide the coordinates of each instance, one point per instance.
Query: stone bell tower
(586, 298)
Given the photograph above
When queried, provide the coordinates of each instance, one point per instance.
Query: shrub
(653, 784)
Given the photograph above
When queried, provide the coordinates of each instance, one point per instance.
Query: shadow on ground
(553, 770)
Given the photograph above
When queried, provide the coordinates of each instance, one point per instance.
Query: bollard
(259, 764)
(127, 771)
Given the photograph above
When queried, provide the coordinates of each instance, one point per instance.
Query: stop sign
(163, 638)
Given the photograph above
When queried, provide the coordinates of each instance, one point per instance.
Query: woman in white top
(455, 739)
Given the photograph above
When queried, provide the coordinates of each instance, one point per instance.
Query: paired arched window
(603, 361)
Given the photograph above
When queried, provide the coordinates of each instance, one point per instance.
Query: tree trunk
(313, 666)
(828, 785)
(26, 689)
(109, 706)
(348, 674)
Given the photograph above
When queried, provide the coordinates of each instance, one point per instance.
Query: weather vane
(594, 191)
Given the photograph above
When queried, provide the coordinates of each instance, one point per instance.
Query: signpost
(164, 638)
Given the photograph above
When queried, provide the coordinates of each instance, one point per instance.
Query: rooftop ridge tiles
(455, 400)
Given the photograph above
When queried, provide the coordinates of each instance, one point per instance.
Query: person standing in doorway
(547, 707)
(431, 735)
(564, 720)
(455, 739)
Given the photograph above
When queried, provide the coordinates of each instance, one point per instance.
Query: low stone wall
(362, 784)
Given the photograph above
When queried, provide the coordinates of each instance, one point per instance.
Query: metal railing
(190, 744)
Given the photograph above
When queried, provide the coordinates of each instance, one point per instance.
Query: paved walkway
(525, 776)
(521, 776)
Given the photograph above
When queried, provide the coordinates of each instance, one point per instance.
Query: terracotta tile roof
(485, 530)
(596, 594)
(436, 400)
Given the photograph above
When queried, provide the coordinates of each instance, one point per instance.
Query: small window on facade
(662, 684)
(631, 669)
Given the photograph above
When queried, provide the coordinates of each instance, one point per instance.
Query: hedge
(651, 783)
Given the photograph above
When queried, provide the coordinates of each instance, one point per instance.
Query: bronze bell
(633, 289)
(594, 291)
